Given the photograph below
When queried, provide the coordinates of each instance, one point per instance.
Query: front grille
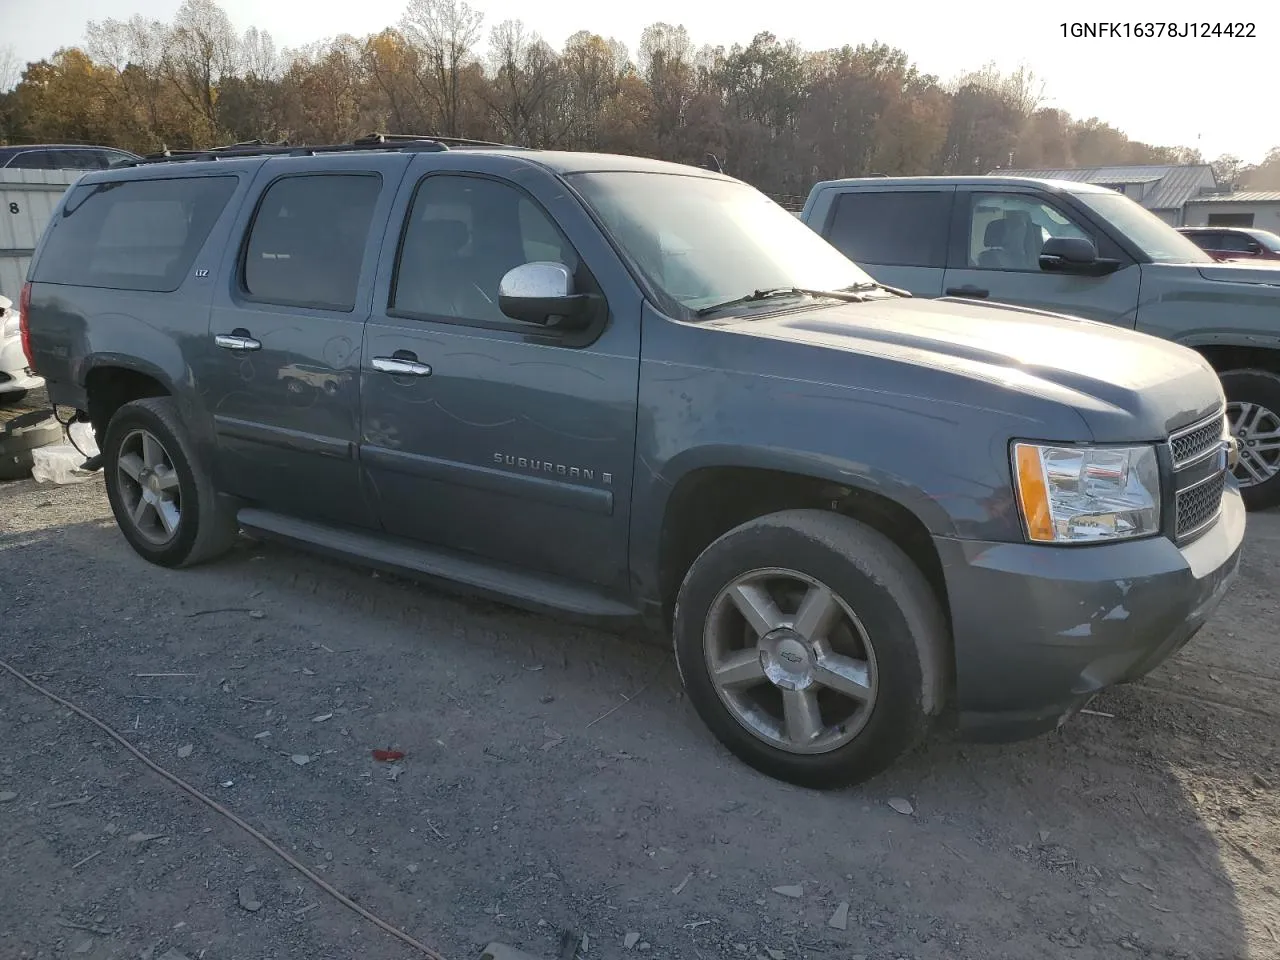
(1197, 506)
(1199, 475)
(1190, 443)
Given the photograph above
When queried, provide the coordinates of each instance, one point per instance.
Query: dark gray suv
(615, 388)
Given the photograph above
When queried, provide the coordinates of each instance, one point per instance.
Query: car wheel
(1253, 411)
(163, 500)
(12, 396)
(811, 646)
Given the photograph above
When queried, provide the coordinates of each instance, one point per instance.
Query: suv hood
(1257, 272)
(1126, 386)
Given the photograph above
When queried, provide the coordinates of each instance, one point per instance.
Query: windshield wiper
(849, 295)
(873, 285)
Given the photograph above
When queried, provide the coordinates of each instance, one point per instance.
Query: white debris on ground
(59, 463)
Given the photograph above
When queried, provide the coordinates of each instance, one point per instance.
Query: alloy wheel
(149, 487)
(790, 660)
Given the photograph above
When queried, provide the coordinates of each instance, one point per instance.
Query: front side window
(132, 234)
(462, 235)
(904, 228)
(308, 240)
(1007, 231)
(701, 241)
(1238, 243)
(1160, 242)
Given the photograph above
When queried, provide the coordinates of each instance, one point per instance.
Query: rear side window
(308, 240)
(33, 160)
(133, 234)
(893, 229)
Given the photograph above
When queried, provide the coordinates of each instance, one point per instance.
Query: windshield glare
(1153, 236)
(700, 241)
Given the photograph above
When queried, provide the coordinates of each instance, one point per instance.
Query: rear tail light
(24, 321)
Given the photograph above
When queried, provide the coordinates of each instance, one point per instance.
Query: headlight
(1087, 494)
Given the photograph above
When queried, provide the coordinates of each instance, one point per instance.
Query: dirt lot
(525, 807)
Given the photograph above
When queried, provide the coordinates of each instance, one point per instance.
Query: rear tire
(1253, 410)
(163, 499)
(821, 689)
(11, 397)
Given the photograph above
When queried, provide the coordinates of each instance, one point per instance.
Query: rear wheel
(163, 500)
(811, 646)
(1253, 412)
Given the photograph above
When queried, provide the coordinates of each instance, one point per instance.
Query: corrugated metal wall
(27, 201)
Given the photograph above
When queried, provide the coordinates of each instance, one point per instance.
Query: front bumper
(1040, 630)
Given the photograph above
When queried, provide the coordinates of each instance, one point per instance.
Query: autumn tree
(444, 34)
(526, 87)
(777, 116)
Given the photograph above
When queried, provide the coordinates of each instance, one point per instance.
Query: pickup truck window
(462, 235)
(893, 228)
(700, 240)
(308, 239)
(1155, 238)
(1007, 231)
(132, 235)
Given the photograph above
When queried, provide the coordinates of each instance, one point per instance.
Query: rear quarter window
(892, 228)
(134, 234)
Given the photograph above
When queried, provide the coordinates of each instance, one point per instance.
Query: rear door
(285, 334)
(898, 235)
(997, 236)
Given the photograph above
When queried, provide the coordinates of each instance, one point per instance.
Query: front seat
(430, 278)
(993, 238)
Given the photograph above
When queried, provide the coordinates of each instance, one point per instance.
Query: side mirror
(542, 293)
(1074, 255)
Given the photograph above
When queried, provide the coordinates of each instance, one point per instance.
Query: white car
(15, 376)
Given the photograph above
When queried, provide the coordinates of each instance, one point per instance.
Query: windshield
(1144, 229)
(701, 241)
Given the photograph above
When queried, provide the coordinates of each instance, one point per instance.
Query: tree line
(775, 115)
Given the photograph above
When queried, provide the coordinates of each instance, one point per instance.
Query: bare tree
(10, 69)
(258, 55)
(525, 82)
(201, 49)
(444, 34)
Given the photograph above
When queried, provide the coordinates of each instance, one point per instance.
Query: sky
(1216, 94)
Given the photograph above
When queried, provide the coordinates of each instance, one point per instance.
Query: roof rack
(405, 143)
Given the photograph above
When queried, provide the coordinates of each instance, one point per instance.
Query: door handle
(968, 290)
(237, 340)
(406, 364)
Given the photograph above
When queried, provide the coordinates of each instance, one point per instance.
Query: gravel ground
(534, 798)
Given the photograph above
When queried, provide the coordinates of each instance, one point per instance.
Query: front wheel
(1253, 413)
(811, 646)
(163, 500)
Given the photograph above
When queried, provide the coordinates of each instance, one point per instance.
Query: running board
(397, 556)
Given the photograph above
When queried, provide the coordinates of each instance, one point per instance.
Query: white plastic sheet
(59, 463)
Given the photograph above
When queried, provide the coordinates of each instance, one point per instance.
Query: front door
(482, 434)
(995, 255)
(286, 336)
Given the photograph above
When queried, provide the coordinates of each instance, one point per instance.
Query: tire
(1253, 408)
(12, 397)
(204, 525)
(885, 617)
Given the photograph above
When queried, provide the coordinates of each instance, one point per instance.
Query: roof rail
(375, 141)
(393, 138)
